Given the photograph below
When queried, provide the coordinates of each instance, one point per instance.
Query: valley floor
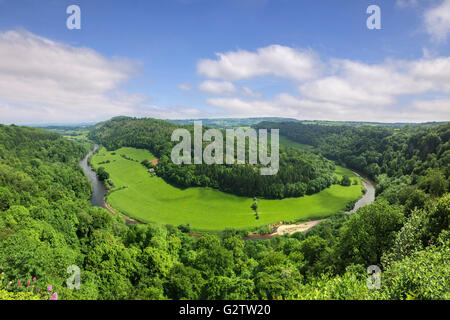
(139, 195)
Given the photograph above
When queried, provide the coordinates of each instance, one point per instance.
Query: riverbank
(128, 220)
(367, 198)
(369, 195)
(99, 190)
(98, 187)
(285, 229)
(119, 168)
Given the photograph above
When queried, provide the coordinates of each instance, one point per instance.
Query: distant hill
(233, 122)
(249, 122)
(362, 123)
(60, 125)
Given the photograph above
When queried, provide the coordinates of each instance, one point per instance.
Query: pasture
(139, 195)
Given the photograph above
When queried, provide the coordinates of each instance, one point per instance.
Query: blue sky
(230, 58)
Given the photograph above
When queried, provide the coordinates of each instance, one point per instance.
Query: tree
(438, 218)
(158, 262)
(276, 277)
(434, 183)
(314, 250)
(254, 207)
(226, 288)
(425, 275)
(6, 198)
(102, 174)
(408, 240)
(368, 234)
(346, 181)
(412, 198)
(184, 282)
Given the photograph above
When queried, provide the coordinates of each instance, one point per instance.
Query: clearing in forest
(139, 195)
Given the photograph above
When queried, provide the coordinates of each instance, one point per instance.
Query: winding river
(99, 191)
(98, 187)
(368, 197)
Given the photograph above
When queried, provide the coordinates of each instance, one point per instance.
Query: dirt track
(285, 229)
(293, 228)
(127, 219)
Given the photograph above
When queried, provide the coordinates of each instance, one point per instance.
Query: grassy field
(148, 198)
(289, 143)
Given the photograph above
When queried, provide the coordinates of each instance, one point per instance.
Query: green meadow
(292, 144)
(139, 195)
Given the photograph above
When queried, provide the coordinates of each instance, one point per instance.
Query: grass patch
(292, 144)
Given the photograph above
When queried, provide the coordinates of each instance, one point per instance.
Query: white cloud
(47, 81)
(335, 89)
(43, 81)
(226, 88)
(393, 90)
(174, 112)
(283, 105)
(246, 91)
(435, 72)
(217, 87)
(289, 106)
(356, 83)
(437, 21)
(184, 87)
(40, 78)
(274, 60)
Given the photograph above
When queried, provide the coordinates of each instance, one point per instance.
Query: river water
(98, 187)
(368, 197)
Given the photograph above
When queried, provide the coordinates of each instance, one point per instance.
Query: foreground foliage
(47, 225)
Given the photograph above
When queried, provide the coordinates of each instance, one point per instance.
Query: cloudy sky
(311, 59)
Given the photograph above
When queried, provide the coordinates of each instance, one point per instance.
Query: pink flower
(9, 283)
(28, 282)
(54, 296)
(34, 279)
(39, 290)
(50, 288)
(18, 281)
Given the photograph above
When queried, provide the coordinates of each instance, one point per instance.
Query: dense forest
(375, 150)
(408, 163)
(300, 172)
(47, 225)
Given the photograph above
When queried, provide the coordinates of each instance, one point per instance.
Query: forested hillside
(372, 150)
(47, 224)
(300, 172)
(232, 122)
(408, 164)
